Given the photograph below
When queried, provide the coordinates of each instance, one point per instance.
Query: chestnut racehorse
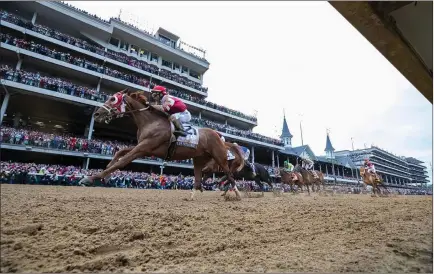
(292, 178)
(235, 164)
(155, 135)
(309, 179)
(372, 180)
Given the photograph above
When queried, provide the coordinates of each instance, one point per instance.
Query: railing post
(5, 104)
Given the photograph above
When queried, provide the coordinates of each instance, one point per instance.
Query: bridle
(118, 108)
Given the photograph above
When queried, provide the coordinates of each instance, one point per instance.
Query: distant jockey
(308, 165)
(369, 166)
(246, 153)
(287, 166)
(174, 107)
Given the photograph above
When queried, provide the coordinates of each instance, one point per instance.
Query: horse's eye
(112, 99)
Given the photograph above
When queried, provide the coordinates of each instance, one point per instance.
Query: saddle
(191, 140)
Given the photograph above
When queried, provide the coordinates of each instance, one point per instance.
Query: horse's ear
(126, 91)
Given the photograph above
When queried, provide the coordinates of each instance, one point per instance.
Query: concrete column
(5, 104)
(161, 169)
(160, 61)
(278, 161)
(272, 157)
(253, 155)
(226, 122)
(86, 163)
(119, 44)
(35, 15)
(98, 87)
(89, 134)
(18, 66)
(200, 114)
(129, 48)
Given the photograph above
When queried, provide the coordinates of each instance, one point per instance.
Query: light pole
(352, 142)
(301, 128)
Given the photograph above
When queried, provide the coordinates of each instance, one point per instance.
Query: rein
(113, 112)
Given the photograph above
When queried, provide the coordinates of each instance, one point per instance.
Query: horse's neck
(145, 118)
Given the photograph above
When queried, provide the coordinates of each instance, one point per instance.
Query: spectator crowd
(131, 25)
(121, 57)
(68, 142)
(42, 174)
(82, 62)
(30, 137)
(66, 87)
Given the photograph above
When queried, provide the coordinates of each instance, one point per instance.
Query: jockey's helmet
(159, 90)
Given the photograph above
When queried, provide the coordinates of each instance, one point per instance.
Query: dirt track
(98, 229)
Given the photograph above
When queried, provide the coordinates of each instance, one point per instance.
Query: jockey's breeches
(183, 117)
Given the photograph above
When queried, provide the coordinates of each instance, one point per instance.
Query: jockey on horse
(174, 107)
(308, 165)
(369, 167)
(287, 166)
(246, 153)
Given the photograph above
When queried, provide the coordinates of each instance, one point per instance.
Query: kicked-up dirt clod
(73, 229)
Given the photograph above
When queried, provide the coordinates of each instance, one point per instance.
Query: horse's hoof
(84, 182)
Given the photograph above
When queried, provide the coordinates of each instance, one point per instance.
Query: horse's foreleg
(220, 158)
(198, 163)
(224, 179)
(118, 155)
(135, 153)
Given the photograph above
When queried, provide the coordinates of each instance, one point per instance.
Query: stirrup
(178, 133)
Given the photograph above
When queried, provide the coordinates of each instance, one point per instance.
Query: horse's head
(117, 104)
(297, 168)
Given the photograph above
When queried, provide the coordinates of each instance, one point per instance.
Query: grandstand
(59, 63)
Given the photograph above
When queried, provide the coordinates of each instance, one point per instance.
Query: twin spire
(286, 138)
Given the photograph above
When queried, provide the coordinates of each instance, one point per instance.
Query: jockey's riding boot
(314, 174)
(179, 128)
(252, 166)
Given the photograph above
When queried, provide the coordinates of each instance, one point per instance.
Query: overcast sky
(303, 57)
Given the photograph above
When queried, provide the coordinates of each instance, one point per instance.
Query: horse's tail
(239, 159)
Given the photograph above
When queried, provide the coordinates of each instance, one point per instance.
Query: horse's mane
(141, 98)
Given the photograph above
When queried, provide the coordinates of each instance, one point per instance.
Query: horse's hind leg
(220, 157)
(199, 163)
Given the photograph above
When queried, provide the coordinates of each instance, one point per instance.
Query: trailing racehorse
(292, 178)
(373, 180)
(309, 179)
(245, 173)
(155, 138)
(235, 161)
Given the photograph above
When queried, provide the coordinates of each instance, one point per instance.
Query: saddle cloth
(231, 156)
(191, 140)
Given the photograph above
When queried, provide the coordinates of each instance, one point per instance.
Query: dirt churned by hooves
(80, 229)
